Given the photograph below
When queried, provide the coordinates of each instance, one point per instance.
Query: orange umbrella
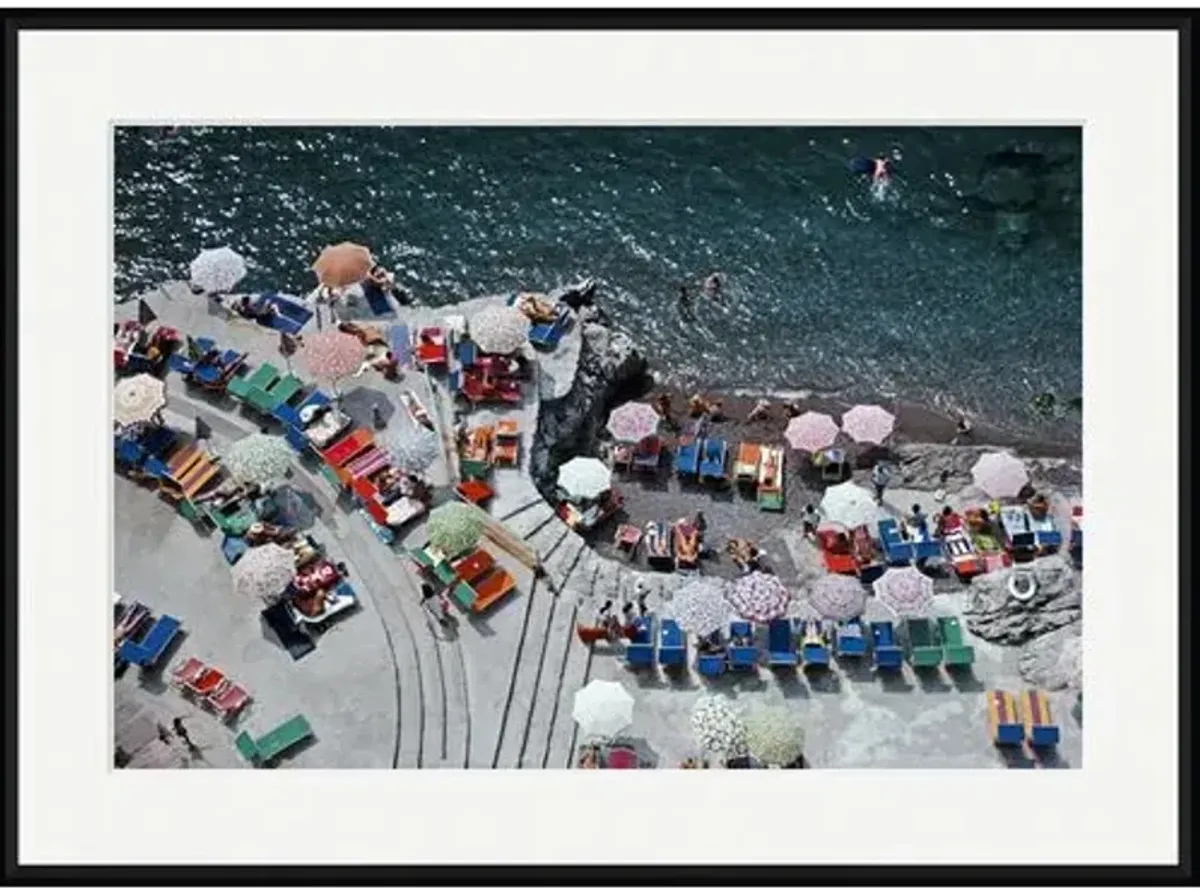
(343, 264)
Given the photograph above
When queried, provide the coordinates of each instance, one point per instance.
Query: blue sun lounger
(377, 300)
(233, 548)
(712, 459)
(672, 646)
(888, 655)
(147, 652)
(849, 641)
(640, 650)
(687, 457)
(211, 373)
(711, 665)
(547, 335)
(781, 643)
(129, 451)
(467, 352)
(926, 549)
(291, 316)
(155, 446)
(814, 645)
(400, 342)
(742, 657)
(895, 548)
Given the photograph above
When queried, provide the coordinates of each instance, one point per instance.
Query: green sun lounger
(283, 390)
(235, 520)
(441, 570)
(921, 642)
(276, 742)
(957, 652)
(259, 380)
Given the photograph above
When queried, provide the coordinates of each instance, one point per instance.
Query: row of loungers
(1027, 721)
(922, 643)
(474, 580)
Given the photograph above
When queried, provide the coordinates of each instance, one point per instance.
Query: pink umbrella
(868, 424)
(838, 597)
(811, 432)
(759, 597)
(906, 591)
(633, 422)
(1000, 475)
(331, 354)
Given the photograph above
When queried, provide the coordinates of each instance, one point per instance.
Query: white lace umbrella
(217, 270)
(633, 422)
(775, 735)
(138, 399)
(1000, 475)
(849, 505)
(700, 606)
(584, 477)
(454, 528)
(759, 597)
(413, 449)
(264, 572)
(811, 431)
(500, 330)
(331, 355)
(868, 424)
(258, 458)
(906, 591)
(718, 727)
(602, 709)
(837, 597)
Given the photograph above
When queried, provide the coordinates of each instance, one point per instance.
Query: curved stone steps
(551, 699)
(577, 663)
(529, 522)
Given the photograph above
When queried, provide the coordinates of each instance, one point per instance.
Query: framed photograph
(428, 406)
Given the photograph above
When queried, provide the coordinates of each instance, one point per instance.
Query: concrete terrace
(387, 687)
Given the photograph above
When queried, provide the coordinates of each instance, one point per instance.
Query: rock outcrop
(920, 466)
(1054, 661)
(993, 613)
(608, 362)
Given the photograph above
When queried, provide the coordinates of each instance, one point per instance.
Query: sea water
(957, 285)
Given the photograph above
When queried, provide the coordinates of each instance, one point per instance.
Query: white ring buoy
(1022, 585)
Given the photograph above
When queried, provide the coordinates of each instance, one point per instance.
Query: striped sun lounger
(1005, 722)
(1040, 728)
(370, 462)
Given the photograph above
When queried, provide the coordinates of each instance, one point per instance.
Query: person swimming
(879, 168)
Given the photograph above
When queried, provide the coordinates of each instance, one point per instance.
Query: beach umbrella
(868, 424)
(906, 591)
(759, 597)
(633, 422)
(811, 431)
(413, 449)
(331, 355)
(501, 329)
(1000, 475)
(217, 269)
(837, 597)
(849, 505)
(454, 528)
(775, 735)
(602, 709)
(700, 606)
(584, 477)
(138, 399)
(264, 572)
(258, 459)
(343, 264)
(718, 728)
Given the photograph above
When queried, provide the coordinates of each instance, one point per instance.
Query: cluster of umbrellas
(812, 431)
(499, 330)
(454, 527)
(633, 422)
(138, 399)
(584, 477)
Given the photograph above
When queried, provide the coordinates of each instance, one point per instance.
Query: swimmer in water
(881, 171)
(712, 286)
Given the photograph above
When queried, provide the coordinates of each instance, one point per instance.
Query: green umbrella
(454, 528)
(775, 735)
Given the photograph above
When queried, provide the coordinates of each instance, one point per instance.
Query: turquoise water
(958, 287)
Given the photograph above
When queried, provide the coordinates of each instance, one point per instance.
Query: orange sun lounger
(1003, 718)
(745, 466)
